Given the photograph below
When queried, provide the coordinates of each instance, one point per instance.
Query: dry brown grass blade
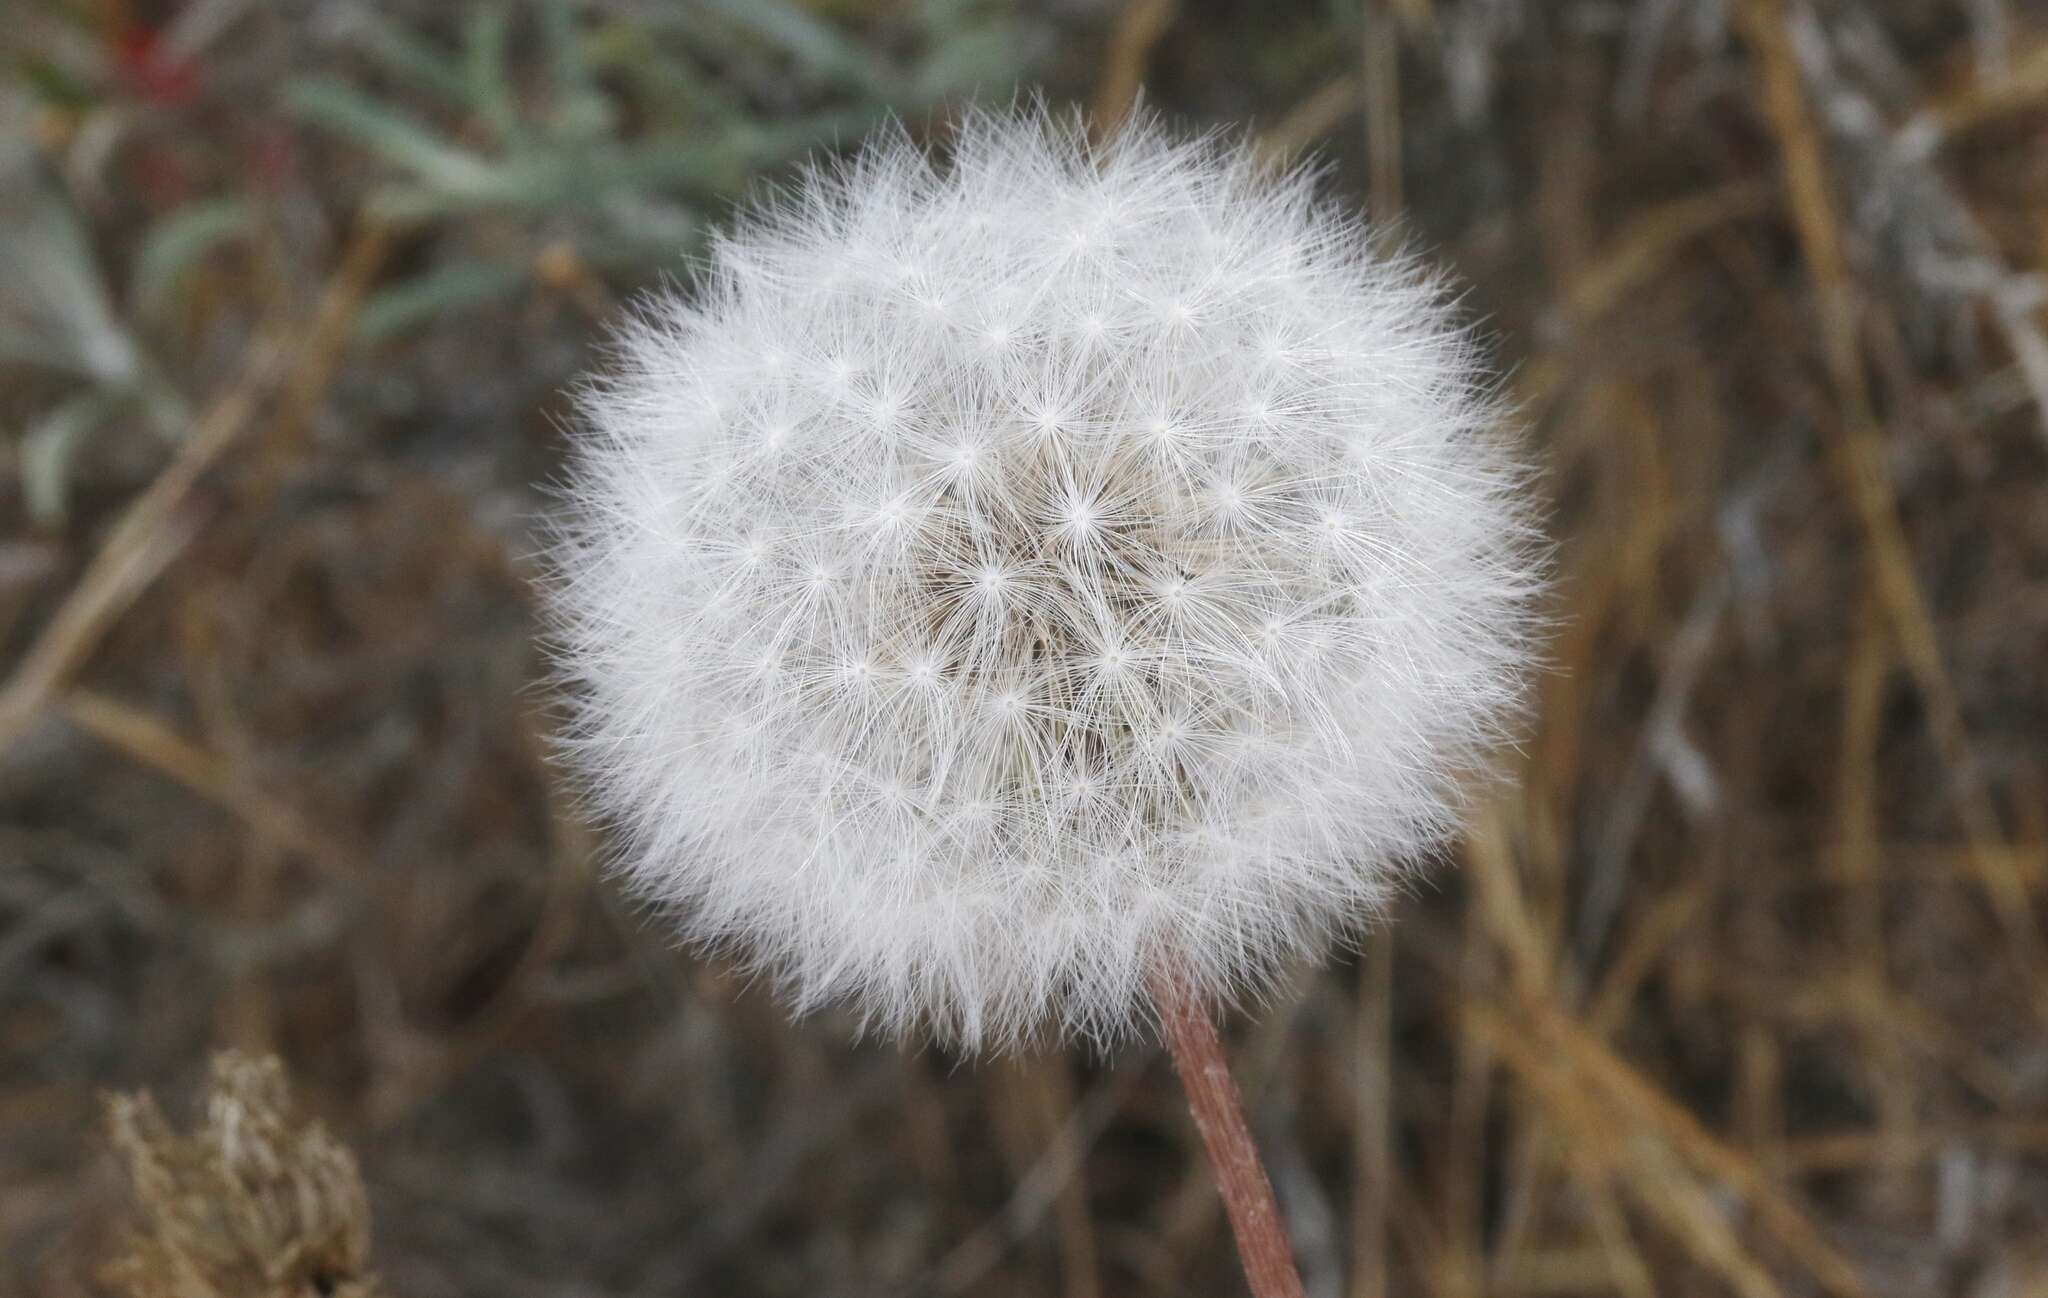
(1462, 1191)
(154, 529)
(1861, 1150)
(1856, 802)
(1980, 102)
(157, 746)
(1051, 1098)
(1647, 942)
(1856, 444)
(1833, 1000)
(1600, 286)
(1313, 118)
(1031, 1099)
(1600, 1156)
(1580, 1077)
(1372, 1133)
(1636, 1105)
(150, 534)
(1380, 74)
(1500, 902)
(1141, 25)
(1562, 1271)
(1621, 1261)
(1519, 1265)
(1652, 239)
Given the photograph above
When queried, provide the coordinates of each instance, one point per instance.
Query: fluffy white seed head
(1007, 575)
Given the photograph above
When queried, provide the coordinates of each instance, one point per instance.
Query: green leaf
(580, 111)
(409, 56)
(490, 92)
(450, 289)
(49, 445)
(395, 138)
(819, 49)
(179, 241)
(54, 305)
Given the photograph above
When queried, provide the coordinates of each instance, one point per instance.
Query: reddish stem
(1219, 1115)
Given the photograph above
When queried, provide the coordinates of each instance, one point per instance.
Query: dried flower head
(1008, 575)
(257, 1203)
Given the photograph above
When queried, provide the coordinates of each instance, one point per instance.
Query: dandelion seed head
(1011, 570)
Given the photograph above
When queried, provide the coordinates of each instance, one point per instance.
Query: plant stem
(1219, 1115)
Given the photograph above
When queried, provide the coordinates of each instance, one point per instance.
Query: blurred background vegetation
(1744, 990)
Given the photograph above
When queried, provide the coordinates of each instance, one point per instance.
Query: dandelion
(1046, 591)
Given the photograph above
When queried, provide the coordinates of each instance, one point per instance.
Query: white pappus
(1007, 574)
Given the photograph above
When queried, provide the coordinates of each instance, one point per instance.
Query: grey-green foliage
(638, 120)
(617, 128)
(179, 240)
(55, 310)
(58, 314)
